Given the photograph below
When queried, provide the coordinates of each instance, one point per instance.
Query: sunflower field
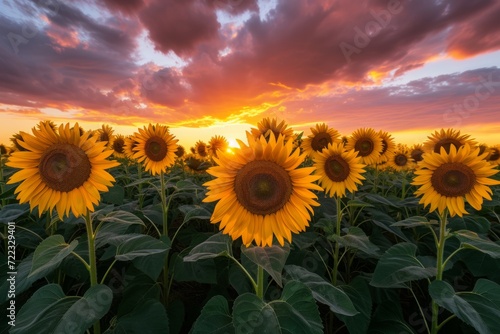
(288, 233)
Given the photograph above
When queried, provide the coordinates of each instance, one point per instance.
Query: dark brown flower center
(416, 155)
(3, 150)
(156, 148)
(453, 179)
(384, 147)
(400, 160)
(263, 187)
(320, 141)
(104, 136)
(446, 143)
(202, 150)
(64, 167)
(118, 145)
(337, 169)
(495, 154)
(180, 151)
(364, 146)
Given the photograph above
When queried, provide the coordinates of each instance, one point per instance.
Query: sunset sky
(206, 67)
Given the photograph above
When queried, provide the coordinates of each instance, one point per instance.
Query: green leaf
(388, 319)
(398, 265)
(357, 203)
(94, 304)
(295, 312)
(115, 224)
(413, 222)
(214, 318)
(473, 223)
(49, 254)
(23, 280)
(11, 212)
(359, 292)
(323, 291)
(115, 195)
(382, 200)
(194, 212)
(152, 265)
(139, 245)
(217, 245)
(471, 240)
(50, 311)
(149, 316)
(357, 239)
(480, 307)
(272, 259)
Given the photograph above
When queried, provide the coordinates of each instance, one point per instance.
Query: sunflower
(338, 169)
(47, 123)
(61, 169)
(119, 146)
(416, 152)
(494, 157)
(180, 151)
(400, 160)
(321, 136)
(105, 134)
(155, 148)
(196, 165)
(217, 143)
(483, 148)
(128, 147)
(267, 126)
(446, 178)
(388, 147)
(260, 191)
(16, 139)
(445, 139)
(367, 143)
(4, 150)
(201, 149)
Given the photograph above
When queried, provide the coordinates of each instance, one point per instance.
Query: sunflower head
(494, 157)
(119, 146)
(261, 192)
(180, 151)
(339, 170)
(400, 160)
(268, 126)
(16, 139)
(105, 134)
(388, 146)
(155, 148)
(447, 178)
(367, 144)
(129, 144)
(321, 136)
(4, 150)
(217, 143)
(61, 169)
(416, 152)
(446, 139)
(201, 149)
(47, 123)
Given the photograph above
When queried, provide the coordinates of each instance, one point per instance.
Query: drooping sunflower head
(267, 126)
(321, 136)
(201, 148)
(367, 144)
(4, 150)
(494, 157)
(105, 134)
(196, 165)
(483, 148)
(61, 169)
(446, 178)
(16, 139)
(217, 143)
(119, 146)
(400, 160)
(388, 147)
(416, 152)
(155, 148)
(261, 192)
(446, 139)
(339, 170)
(180, 151)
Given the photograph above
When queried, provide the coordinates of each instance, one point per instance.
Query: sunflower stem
(259, 291)
(164, 209)
(139, 176)
(337, 245)
(439, 266)
(92, 261)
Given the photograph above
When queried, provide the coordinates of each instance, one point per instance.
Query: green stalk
(337, 245)
(92, 261)
(439, 267)
(259, 291)
(164, 210)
